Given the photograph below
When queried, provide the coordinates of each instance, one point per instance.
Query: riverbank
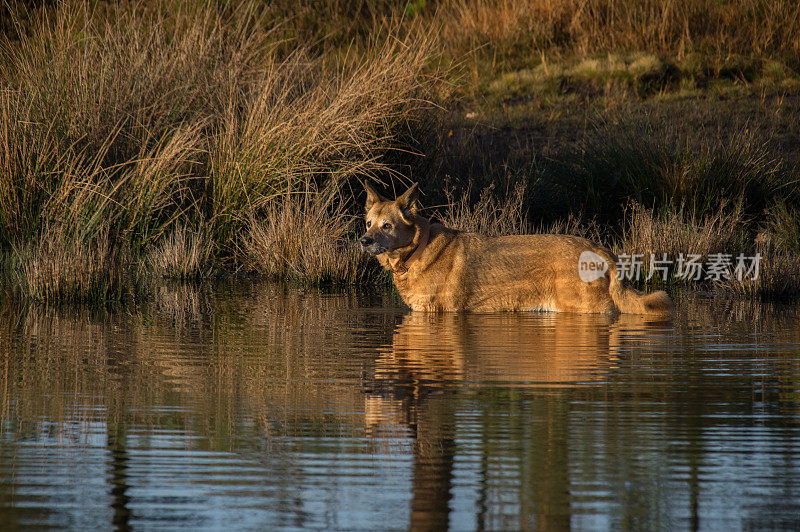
(158, 140)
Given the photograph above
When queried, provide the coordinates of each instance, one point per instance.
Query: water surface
(265, 407)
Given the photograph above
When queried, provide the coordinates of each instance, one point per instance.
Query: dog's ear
(372, 197)
(408, 202)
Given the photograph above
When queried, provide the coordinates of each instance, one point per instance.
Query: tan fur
(459, 271)
(429, 350)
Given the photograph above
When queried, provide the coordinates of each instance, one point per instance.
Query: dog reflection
(499, 349)
(413, 387)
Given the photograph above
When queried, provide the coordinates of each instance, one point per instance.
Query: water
(264, 407)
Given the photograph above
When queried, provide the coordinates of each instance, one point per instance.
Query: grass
(659, 169)
(183, 253)
(307, 236)
(164, 139)
(490, 215)
(675, 231)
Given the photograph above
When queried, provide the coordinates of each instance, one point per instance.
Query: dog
(437, 268)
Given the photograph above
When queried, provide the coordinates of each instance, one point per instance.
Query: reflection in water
(268, 407)
(429, 353)
(119, 479)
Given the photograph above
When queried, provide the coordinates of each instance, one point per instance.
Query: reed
(124, 125)
(674, 231)
(181, 139)
(587, 26)
(308, 236)
(312, 120)
(491, 215)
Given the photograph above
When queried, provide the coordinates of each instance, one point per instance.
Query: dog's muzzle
(369, 245)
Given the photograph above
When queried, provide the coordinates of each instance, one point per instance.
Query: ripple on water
(262, 406)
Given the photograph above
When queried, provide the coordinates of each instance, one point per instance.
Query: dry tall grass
(778, 275)
(586, 26)
(309, 120)
(658, 167)
(675, 231)
(60, 266)
(121, 123)
(495, 215)
(183, 253)
(490, 215)
(510, 27)
(307, 235)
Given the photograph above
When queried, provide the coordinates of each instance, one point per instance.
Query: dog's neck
(411, 253)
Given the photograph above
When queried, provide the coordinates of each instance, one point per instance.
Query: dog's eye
(368, 223)
(387, 226)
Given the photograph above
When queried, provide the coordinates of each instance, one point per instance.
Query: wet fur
(460, 271)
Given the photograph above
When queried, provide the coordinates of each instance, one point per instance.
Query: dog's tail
(631, 301)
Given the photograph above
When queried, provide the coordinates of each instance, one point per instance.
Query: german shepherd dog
(436, 268)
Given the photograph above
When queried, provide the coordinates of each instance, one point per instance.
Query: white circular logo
(591, 266)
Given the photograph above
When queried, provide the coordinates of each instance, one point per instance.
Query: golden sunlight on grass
(186, 140)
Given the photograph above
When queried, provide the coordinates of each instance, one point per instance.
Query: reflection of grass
(185, 349)
(298, 366)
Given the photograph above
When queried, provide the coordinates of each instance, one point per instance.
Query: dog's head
(390, 224)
